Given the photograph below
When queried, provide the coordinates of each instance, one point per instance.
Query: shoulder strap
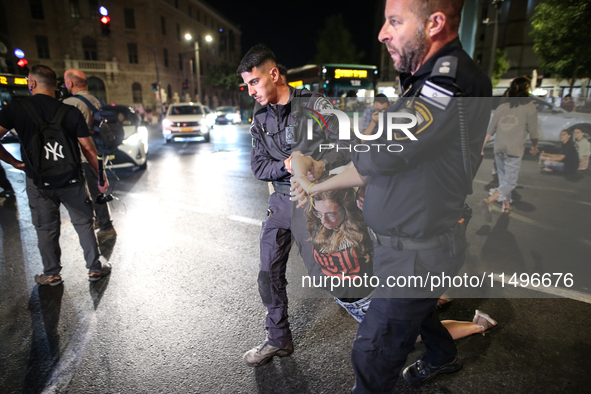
(60, 114)
(88, 103)
(32, 111)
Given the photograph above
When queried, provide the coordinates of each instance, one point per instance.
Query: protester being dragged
(565, 162)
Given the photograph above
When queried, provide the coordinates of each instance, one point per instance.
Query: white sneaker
(483, 320)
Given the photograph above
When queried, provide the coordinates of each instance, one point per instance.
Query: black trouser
(45, 213)
(101, 211)
(4, 182)
(392, 323)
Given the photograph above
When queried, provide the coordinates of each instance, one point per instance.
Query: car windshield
(125, 116)
(185, 110)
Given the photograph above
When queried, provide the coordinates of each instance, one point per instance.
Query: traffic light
(22, 63)
(105, 21)
(186, 84)
(155, 86)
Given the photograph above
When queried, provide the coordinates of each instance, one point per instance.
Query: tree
(222, 76)
(500, 67)
(335, 44)
(562, 38)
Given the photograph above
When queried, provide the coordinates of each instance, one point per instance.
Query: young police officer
(274, 134)
(414, 200)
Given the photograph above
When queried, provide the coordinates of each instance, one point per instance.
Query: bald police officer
(414, 200)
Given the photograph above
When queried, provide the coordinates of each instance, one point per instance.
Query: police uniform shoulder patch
(424, 120)
(436, 95)
(321, 103)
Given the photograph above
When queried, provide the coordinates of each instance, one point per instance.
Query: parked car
(552, 120)
(134, 149)
(225, 115)
(186, 120)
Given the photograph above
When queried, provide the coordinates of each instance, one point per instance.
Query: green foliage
(500, 67)
(222, 76)
(562, 38)
(335, 45)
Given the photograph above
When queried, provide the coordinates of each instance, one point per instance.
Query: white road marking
(555, 291)
(242, 219)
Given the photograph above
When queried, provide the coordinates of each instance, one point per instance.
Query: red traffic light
(105, 19)
(241, 87)
(22, 62)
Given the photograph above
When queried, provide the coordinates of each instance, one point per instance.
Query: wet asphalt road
(182, 305)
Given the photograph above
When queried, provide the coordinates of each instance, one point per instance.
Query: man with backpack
(49, 132)
(75, 81)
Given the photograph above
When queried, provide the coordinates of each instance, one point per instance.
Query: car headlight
(166, 123)
(133, 139)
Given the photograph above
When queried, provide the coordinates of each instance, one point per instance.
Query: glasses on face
(329, 216)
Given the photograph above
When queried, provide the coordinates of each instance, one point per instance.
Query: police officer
(414, 200)
(276, 129)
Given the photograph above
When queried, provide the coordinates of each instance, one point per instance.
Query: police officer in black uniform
(278, 133)
(414, 199)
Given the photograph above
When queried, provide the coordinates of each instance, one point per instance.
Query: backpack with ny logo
(54, 156)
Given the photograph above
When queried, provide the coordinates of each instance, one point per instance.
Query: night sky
(291, 29)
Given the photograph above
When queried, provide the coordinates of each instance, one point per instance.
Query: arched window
(136, 90)
(89, 48)
(96, 87)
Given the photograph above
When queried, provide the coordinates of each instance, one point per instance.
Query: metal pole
(497, 4)
(192, 81)
(158, 81)
(200, 97)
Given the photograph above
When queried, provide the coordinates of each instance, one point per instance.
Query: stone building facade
(121, 67)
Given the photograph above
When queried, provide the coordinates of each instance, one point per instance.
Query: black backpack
(54, 159)
(107, 132)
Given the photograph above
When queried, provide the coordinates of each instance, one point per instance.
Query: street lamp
(208, 38)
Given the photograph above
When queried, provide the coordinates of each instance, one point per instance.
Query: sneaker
(483, 320)
(94, 275)
(43, 280)
(264, 353)
(106, 234)
(421, 371)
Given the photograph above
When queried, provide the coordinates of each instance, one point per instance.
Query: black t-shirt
(14, 116)
(571, 157)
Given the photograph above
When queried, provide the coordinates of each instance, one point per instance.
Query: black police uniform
(412, 201)
(275, 131)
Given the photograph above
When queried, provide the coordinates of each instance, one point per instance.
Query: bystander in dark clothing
(45, 202)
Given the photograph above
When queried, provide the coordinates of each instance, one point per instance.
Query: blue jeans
(558, 167)
(508, 168)
(356, 309)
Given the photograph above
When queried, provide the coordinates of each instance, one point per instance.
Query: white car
(187, 120)
(134, 149)
(552, 120)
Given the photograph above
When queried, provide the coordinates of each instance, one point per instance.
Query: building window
(198, 16)
(129, 17)
(42, 47)
(180, 61)
(163, 25)
(165, 57)
(178, 32)
(74, 9)
(136, 90)
(89, 48)
(169, 91)
(176, 3)
(190, 10)
(36, 9)
(93, 9)
(132, 51)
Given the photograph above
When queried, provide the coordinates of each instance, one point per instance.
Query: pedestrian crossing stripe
(436, 95)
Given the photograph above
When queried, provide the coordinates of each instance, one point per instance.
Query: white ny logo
(54, 150)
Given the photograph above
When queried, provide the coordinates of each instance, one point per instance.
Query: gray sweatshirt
(511, 126)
